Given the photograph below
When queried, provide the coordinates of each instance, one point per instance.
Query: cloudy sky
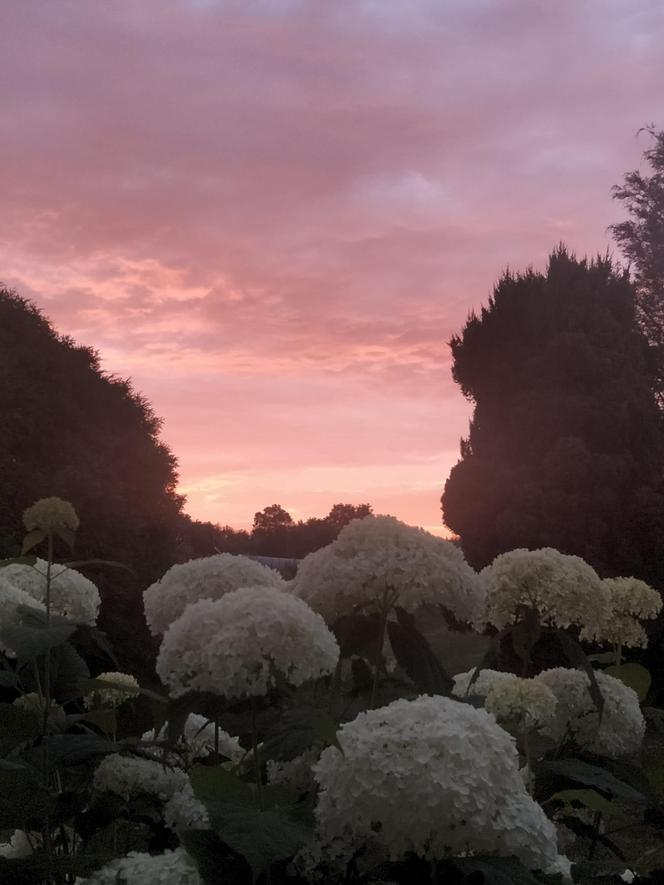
(272, 214)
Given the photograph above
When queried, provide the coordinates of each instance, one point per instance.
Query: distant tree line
(274, 533)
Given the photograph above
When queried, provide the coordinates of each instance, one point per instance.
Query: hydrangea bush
(254, 762)
(210, 577)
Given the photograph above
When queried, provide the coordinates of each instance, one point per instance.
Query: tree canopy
(71, 430)
(641, 238)
(565, 443)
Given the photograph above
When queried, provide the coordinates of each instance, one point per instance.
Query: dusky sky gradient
(273, 215)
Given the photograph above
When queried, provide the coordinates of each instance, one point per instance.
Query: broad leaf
(416, 657)
(261, 837)
(590, 799)
(578, 659)
(357, 635)
(36, 536)
(634, 676)
(18, 725)
(590, 775)
(297, 731)
(211, 855)
(74, 749)
(217, 784)
(32, 636)
(525, 634)
(497, 870)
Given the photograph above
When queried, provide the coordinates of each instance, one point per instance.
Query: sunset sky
(272, 215)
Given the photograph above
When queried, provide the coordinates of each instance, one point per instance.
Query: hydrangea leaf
(635, 676)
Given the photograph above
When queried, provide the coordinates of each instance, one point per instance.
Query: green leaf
(655, 775)
(105, 719)
(68, 536)
(67, 670)
(416, 657)
(297, 731)
(218, 784)
(211, 855)
(80, 563)
(357, 635)
(526, 633)
(36, 536)
(32, 637)
(8, 679)
(18, 725)
(655, 715)
(74, 749)
(18, 560)
(634, 676)
(23, 800)
(590, 799)
(578, 658)
(497, 870)
(581, 772)
(261, 837)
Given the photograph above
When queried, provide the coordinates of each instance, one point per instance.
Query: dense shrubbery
(311, 733)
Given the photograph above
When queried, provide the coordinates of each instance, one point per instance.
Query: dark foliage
(69, 429)
(565, 444)
(641, 238)
(274, 533)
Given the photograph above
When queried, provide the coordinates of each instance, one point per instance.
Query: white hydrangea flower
(184, 811)
(137, 868)
(563, 589)
(51, 515)
(378, 554)
(482, 685)
(198, 735)
(124, 687)
(128, 776)
(631, 601)
(433, 776)
(622, 726)
(235, 645)
(18, 846)
(296, 773)
(521, 704)
(11, 598)
(72, 594)
(210, 577)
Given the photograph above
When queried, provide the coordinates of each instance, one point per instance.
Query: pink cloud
(273, 215)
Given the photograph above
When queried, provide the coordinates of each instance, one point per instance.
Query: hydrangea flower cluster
(296, 773)
(184, 811)
(72, 594)
(235, 646)
(210, 577)
(520, 704)
(170, 868)
(51, 515)
(198, 739)
(433, 776)
(122, 687)
(129, 776)
(19, 845)
(480, 688)
(380, 554)
(563, 589)
(622, 727)
(11, 599)
(631, 600)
